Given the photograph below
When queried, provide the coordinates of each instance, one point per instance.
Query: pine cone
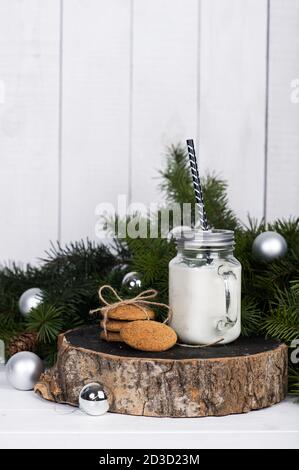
(24, 342)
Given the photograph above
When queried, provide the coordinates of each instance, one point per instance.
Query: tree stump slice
(249, 374)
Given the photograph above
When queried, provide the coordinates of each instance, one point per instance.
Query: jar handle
(230, 283)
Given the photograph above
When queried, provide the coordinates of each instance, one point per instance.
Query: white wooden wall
(92, 91)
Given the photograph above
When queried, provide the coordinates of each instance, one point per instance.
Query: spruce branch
(46, 321)
(176, 183)
(251, 317)
(80, 259)
(177, 186)
(9, 326)
(282, 320)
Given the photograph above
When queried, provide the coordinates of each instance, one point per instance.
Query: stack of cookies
(135, 327)
(120, 316)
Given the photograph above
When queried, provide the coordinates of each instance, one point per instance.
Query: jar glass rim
(192, 238)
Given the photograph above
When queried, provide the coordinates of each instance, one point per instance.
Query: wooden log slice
(249, 374)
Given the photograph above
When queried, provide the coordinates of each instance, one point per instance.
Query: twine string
(139, 301)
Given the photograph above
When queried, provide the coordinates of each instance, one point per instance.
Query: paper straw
(197, 186)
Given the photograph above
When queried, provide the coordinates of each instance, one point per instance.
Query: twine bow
(140, 301)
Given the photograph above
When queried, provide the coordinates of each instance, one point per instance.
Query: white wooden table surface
(26, 421)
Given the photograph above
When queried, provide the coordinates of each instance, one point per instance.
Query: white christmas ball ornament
(269, 246)
(93, 399)
(23, 370)
(30, 299)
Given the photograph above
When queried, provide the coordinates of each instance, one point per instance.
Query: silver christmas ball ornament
(93, 399)
(30, 299)
(269, 246)
(132, 281)
(23, 370)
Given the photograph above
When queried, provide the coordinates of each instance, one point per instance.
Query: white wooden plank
(232, 98)
(29, 38)
(165, 63)
(283, 134)
(95, 104)
(28, 422)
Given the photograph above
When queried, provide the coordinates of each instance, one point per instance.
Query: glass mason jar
(205, 287)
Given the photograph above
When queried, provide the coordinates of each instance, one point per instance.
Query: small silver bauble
(132, 281)
(93, 399)
(30, 299)
(23, 370)
(269, 246)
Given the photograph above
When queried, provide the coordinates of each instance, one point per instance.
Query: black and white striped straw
(197, 186)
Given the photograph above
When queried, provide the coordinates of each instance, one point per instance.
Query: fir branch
(177, 185)
(81, 260)
(14, 280)
(251, 317)
(282, 321)
(46, 321)
(151, 258)
(176, 181)
(9, 327)
(216, 201)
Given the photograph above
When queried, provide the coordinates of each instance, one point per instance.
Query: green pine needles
(177, 187)
(70, 276)
(47, 321)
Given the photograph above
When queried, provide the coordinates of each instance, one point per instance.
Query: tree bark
(249, 374)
